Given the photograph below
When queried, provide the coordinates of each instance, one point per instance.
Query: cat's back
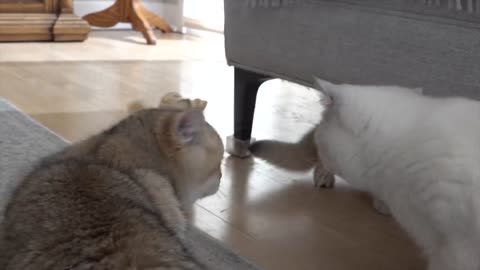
(75, 213)
(61, 208)
(452, 126)
(439, 156)
(458, 113)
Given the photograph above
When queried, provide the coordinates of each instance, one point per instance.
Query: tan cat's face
(192, 146)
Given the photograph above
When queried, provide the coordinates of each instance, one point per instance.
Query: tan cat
(119, 200)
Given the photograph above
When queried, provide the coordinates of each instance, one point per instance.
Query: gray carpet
(23, 141)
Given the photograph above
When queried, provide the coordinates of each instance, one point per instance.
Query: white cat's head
(341, 92)
(353, 115)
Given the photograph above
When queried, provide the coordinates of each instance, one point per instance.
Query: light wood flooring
(273, 217)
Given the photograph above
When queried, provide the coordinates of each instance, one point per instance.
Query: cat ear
(189, 126)
(322, 85)
(326, 89)
(199, 104)
(175, 100)
(170, 98)
(135, 107)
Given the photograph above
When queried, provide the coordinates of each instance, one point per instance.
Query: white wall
(208, 12)
(170, 10)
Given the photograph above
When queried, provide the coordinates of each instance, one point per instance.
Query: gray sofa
(434, 44)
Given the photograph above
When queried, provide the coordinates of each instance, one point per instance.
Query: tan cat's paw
(381, 207)
(323, 178)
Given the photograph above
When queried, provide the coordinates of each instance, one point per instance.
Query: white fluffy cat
(419, 155)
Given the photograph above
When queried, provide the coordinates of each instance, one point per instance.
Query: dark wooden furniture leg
(246, 87)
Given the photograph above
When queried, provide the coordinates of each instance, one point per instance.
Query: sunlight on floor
(120, 46)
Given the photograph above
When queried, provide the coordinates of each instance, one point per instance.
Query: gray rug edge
(211, 251)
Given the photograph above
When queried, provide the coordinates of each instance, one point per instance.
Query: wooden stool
(130, 11)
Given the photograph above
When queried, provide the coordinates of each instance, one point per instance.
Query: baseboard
(172, 12)
(197, 24)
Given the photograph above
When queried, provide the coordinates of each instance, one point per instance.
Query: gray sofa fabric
(418, 43)
(271, 3)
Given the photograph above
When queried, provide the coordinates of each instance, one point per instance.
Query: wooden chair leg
(140, 22)
(105, 18)
(131, 11)
(155, 21)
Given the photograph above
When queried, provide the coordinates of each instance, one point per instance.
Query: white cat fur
(418, 154)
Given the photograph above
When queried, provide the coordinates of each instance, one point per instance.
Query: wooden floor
(273, 217)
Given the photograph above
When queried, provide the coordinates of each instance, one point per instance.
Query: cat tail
(298, 156)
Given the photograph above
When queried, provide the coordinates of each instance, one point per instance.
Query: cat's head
(340, 93)
(352, 106)
(354, 113)
(191, 145)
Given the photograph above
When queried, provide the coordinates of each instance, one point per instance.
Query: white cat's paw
(381, 207)
(323, 179)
